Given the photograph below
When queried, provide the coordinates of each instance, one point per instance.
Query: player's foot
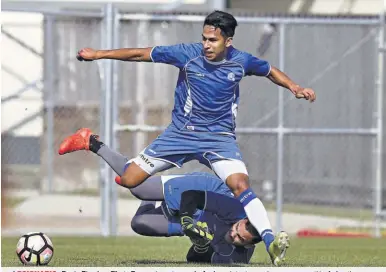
(78, 141)
(277, 249)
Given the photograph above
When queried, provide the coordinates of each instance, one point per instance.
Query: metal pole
(49, 86)
(102, 74)
(115, 116)
(378, 174)
(107, 174)
(52, 12)
(258, 20)
(218, 4)
(141, 90)
(280, 135)
(260, 130)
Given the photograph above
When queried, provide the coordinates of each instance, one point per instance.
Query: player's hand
(304, 93)
(201, 244)
(87, 54)
(196, 231)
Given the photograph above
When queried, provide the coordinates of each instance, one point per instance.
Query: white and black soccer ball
(35, 248)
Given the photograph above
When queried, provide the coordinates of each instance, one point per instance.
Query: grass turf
(145, 251)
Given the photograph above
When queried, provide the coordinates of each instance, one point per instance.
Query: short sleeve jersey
(207, 92)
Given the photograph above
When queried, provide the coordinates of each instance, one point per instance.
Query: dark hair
(222, 20)
(251, 229)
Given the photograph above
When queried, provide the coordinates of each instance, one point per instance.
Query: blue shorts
(178, 147)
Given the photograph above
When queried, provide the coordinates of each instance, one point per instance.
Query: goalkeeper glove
(198, 232)
(201, 244)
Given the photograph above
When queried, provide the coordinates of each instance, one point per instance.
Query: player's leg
(151, 189)
(224, 157)
(85, 139)
(132, 172)
(235, 174)
(227, 163)
(163, 153)
(151, 221)
(236, 177)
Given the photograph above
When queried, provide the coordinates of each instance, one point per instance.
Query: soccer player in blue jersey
(203, 118)
(233, 236)
(221, 216)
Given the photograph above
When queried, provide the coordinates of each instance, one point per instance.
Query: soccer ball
(34, 248)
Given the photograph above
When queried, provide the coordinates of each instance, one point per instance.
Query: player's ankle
(95, 144)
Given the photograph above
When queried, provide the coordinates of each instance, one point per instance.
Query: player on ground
(203, 118)
(225, 247)
(234, 236)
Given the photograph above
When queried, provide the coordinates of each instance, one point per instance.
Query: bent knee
(238, 183)
(130, 181)
(133, 176)
(139, 225)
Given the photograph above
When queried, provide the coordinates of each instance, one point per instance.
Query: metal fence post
(115, 119)
(141, 88)
(379, 112)
(49, 88)
(101, 69)
(106, 119)
(280, 134)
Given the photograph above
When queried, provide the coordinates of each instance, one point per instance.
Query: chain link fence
(328, 152)
(71, 102)
(21, 100)
(77, 95)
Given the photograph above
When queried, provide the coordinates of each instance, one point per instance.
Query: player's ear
(228, 41)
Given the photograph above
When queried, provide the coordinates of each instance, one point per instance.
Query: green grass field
(143, 251)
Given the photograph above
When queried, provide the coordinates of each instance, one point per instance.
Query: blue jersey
(220, 213)
(207, 93)
(174, 186)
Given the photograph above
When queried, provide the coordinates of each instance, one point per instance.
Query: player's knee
(238, 183)
(133, 176)
(139, 225)
(129, 181)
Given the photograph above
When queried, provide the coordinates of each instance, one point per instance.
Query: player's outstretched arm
(281, 79)
(123, 54)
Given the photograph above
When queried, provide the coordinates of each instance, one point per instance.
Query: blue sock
(175, 229)
(246, 197)
(257, 215)
(267, 237)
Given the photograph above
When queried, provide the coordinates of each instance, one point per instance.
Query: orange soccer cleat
(78, 141)
(118, 180)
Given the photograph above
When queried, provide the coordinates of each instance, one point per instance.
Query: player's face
(215, 45)
(238, 235)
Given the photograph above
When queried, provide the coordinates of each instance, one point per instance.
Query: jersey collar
(215, 62)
